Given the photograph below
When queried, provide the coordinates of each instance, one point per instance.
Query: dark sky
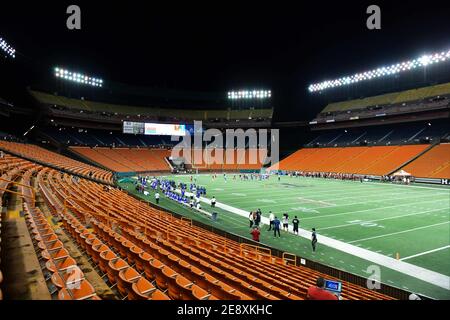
(222, 45)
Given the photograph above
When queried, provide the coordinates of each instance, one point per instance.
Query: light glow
(10, 51)
(77, 77)
(249, 94)
(423, 61)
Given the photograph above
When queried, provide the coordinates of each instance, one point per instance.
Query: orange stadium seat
(377, 160)
(145, 265)
(127, 159)
(433, 164)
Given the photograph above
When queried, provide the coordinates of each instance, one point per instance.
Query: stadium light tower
(7, 49)
(249, 94)
(76, 77)
(420, 62)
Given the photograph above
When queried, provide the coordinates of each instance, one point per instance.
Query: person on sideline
(255, 234)
(276, 227)
(157, 197)
(271, 218)
(314, 239)
(295, 223)
(285, 222)
(250, 218)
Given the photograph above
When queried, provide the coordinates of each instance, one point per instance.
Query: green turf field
(386, 219)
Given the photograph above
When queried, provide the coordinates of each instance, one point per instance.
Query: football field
(358, 224)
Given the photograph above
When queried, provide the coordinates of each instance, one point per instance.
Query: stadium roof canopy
(189, 114)
(390, 98)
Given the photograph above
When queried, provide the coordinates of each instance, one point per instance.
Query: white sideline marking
(399, 232)
(425, 252)
(423, 274)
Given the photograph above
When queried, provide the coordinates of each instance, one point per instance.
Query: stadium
(195, 171)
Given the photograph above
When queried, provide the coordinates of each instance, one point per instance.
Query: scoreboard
(160, 129)
(133, 127)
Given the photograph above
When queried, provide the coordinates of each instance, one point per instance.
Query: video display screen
(159, 129)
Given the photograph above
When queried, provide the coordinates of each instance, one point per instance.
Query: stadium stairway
(435, 163)
(413, 158)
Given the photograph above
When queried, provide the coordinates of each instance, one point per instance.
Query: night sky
(218, 46)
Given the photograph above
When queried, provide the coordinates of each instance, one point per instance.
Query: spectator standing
(258, 217)
(250, 218)
(255, 234)
(271, 218)
(285, 222)
(295, 223)
(314, 239)
(276, 227)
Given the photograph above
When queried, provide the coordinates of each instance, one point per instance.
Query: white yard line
(371, 209)
(425, 252)
(351, 183)
(406, 186)
(382, 219)
(400, 232)
(423, 274)
(314, 193)
(317, 201)
(392, 197)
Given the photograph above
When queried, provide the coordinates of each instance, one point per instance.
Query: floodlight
(249, 94)
(77, 77)
(422, 61)
(6, 48)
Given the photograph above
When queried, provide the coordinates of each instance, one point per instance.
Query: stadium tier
(144, 252)
(36, 153)
(429, 103)
(440, 90)
(155, 160)
(403, 133)
(380, 160)
(127, 160)
(82, 109)
(223, 159)
(433, 164)
(103, 138)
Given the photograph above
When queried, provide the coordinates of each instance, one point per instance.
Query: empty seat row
(59, 268)
(130, 283)
(147, 253)
(156, 251)
(45, 156)
(374, 160)
(435, 163)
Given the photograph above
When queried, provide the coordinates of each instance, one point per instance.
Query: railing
(289, 258)
(259, 252)
(276, 253)
(33, 193)
(189, 221)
